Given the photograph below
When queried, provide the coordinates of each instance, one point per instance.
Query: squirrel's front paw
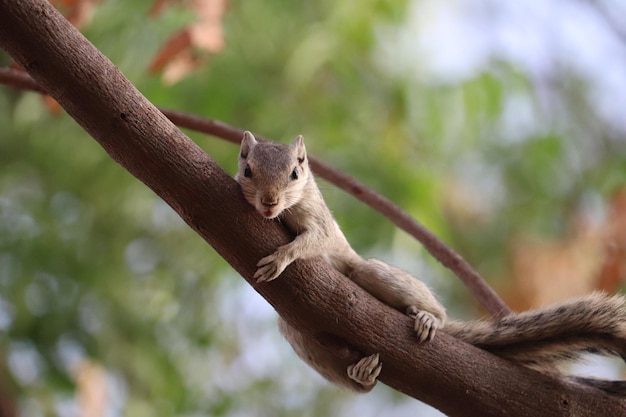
(366, 370)
(426, 324)
(270, 267)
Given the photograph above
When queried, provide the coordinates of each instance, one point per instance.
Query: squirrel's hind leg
(398, 289)
(329, 356)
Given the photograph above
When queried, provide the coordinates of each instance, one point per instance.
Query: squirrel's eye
(247, 172)
(294, 174)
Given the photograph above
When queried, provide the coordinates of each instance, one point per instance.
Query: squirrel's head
(272, 176)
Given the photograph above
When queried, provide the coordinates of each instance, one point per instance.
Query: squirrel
(277, 181)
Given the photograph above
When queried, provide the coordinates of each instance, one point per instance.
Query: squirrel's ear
(299, 148)
(248, 142)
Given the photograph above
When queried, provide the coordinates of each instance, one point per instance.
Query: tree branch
(435, 246)
(458, 379)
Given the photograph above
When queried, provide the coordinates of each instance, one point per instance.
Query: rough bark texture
(456, 378)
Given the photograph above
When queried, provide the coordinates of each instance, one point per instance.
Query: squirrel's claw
(261, 275)
(366, 370)
(426, 324)
(270, 268)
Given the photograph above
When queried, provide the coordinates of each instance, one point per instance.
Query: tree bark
(456, 378)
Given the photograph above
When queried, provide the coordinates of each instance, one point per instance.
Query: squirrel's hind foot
(426, 324)
(365, 371)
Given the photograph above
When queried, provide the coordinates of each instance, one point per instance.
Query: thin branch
(443, 253)
(19, 79)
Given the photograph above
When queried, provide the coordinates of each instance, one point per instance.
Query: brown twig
(19, 79)
(443, 253)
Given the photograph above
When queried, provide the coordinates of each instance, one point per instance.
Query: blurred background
(498, 125)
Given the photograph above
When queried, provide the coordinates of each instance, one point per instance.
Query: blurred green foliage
(94, 267)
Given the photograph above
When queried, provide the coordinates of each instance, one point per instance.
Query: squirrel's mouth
(269, 213)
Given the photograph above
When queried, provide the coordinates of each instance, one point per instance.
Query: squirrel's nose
(269, 201)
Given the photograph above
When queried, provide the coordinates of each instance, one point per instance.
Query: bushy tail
(592, 324)
(615, 388)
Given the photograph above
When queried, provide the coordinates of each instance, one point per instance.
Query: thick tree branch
(435, 246)
(456, 378)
